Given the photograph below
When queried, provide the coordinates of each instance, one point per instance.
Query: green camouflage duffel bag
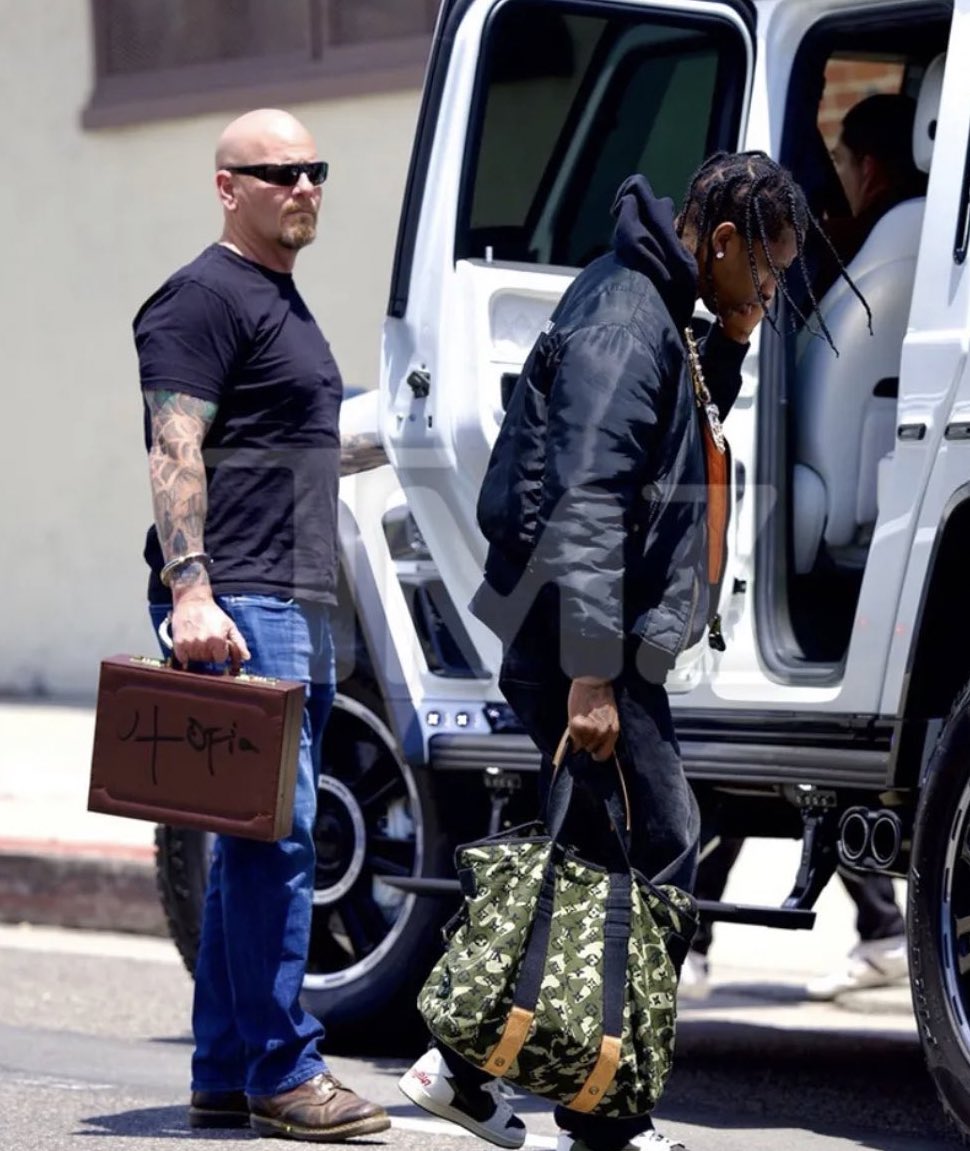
(560, 975)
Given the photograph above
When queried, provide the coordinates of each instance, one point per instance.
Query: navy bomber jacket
(596, 484)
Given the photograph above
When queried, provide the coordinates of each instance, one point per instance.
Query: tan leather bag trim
(513, 1038)
(591, 1093)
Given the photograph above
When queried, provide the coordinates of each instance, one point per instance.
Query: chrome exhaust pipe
(873, 840)
(854, 836)
(885, 839)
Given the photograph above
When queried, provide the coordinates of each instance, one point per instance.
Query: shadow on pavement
(172, 1123)
(733, 1074)
(157, 1122)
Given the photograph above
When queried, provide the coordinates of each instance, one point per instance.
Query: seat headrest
(927, 112)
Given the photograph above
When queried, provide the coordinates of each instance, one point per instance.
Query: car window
(849, 78)
(574, 99)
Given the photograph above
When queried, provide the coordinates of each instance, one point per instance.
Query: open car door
(534, 112)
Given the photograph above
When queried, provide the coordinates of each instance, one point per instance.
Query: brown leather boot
(321, 1110)
(218, 1109)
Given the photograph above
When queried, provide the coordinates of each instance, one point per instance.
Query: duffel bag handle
(561, 793)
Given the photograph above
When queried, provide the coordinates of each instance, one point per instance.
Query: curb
(94, 887)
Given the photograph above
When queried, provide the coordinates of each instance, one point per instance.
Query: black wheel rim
(368, 825)
(955, 922)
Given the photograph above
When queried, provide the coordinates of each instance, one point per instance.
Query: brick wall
(849, 81)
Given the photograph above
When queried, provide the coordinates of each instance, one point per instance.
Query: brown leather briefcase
(213, 752)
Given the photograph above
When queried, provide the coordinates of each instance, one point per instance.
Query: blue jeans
(250, 1031)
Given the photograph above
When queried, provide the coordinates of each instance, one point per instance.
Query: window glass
(607, 94)
(149, 35)
(184, 57)
(849, 79)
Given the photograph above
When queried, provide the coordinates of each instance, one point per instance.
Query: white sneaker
(695, 981)
(650, 1140)
(878, 963)
(486, 1112)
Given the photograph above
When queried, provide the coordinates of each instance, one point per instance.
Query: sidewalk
(61, 865)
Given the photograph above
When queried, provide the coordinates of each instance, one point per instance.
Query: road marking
(441, 1127)
(59, 1084)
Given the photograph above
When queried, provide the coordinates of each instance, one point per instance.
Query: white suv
(839, 711)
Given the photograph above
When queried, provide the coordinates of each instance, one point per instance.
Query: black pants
(665, 821)
(877, 913)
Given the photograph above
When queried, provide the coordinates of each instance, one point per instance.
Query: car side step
(419, 886)
(816, 867)
(791, 918)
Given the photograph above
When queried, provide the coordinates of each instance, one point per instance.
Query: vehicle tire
(939, 917)
(181, 869)
(371, 945)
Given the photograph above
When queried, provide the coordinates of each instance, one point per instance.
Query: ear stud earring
(718, 255)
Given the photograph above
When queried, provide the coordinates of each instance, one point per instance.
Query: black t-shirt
(227, 330)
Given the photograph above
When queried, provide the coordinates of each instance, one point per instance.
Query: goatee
(298, 232)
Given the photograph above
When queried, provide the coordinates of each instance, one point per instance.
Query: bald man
(242, 398)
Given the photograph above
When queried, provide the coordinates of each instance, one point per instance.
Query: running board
(816, 868)
(790, 918)
(417, 886)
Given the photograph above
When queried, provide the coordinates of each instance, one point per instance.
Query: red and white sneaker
(485, 1111)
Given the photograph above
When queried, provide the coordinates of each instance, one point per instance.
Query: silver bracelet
(175, 565)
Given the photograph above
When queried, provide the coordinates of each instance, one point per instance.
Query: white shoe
(486, 1112)
(650, 1140)
(695, 981)
(877, 963)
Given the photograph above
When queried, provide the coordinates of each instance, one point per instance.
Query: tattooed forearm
(358, 453)
(179, 424)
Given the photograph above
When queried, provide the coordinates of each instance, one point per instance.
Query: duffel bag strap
(616, 952)
(529, 979)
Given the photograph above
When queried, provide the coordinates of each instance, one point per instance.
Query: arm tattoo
(358, 453)
(179, 426)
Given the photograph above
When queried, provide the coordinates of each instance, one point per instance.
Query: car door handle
(419, 381)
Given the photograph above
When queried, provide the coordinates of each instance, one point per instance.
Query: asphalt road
(94, 1054)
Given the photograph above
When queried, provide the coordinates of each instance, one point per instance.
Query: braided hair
(761, 199)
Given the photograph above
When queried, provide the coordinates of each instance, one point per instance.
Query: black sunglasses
(284, 175)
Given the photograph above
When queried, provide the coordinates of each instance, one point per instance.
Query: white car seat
(845, 407)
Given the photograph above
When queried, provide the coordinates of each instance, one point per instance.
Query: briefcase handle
(165, 635)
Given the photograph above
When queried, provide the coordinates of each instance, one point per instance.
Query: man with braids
(242, 398)
(601, 567)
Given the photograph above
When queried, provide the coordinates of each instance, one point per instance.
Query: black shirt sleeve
(721, 360)
(187, 339)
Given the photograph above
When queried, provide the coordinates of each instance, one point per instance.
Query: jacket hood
(644, 240)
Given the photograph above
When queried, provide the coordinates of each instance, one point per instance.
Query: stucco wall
(93, 221)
